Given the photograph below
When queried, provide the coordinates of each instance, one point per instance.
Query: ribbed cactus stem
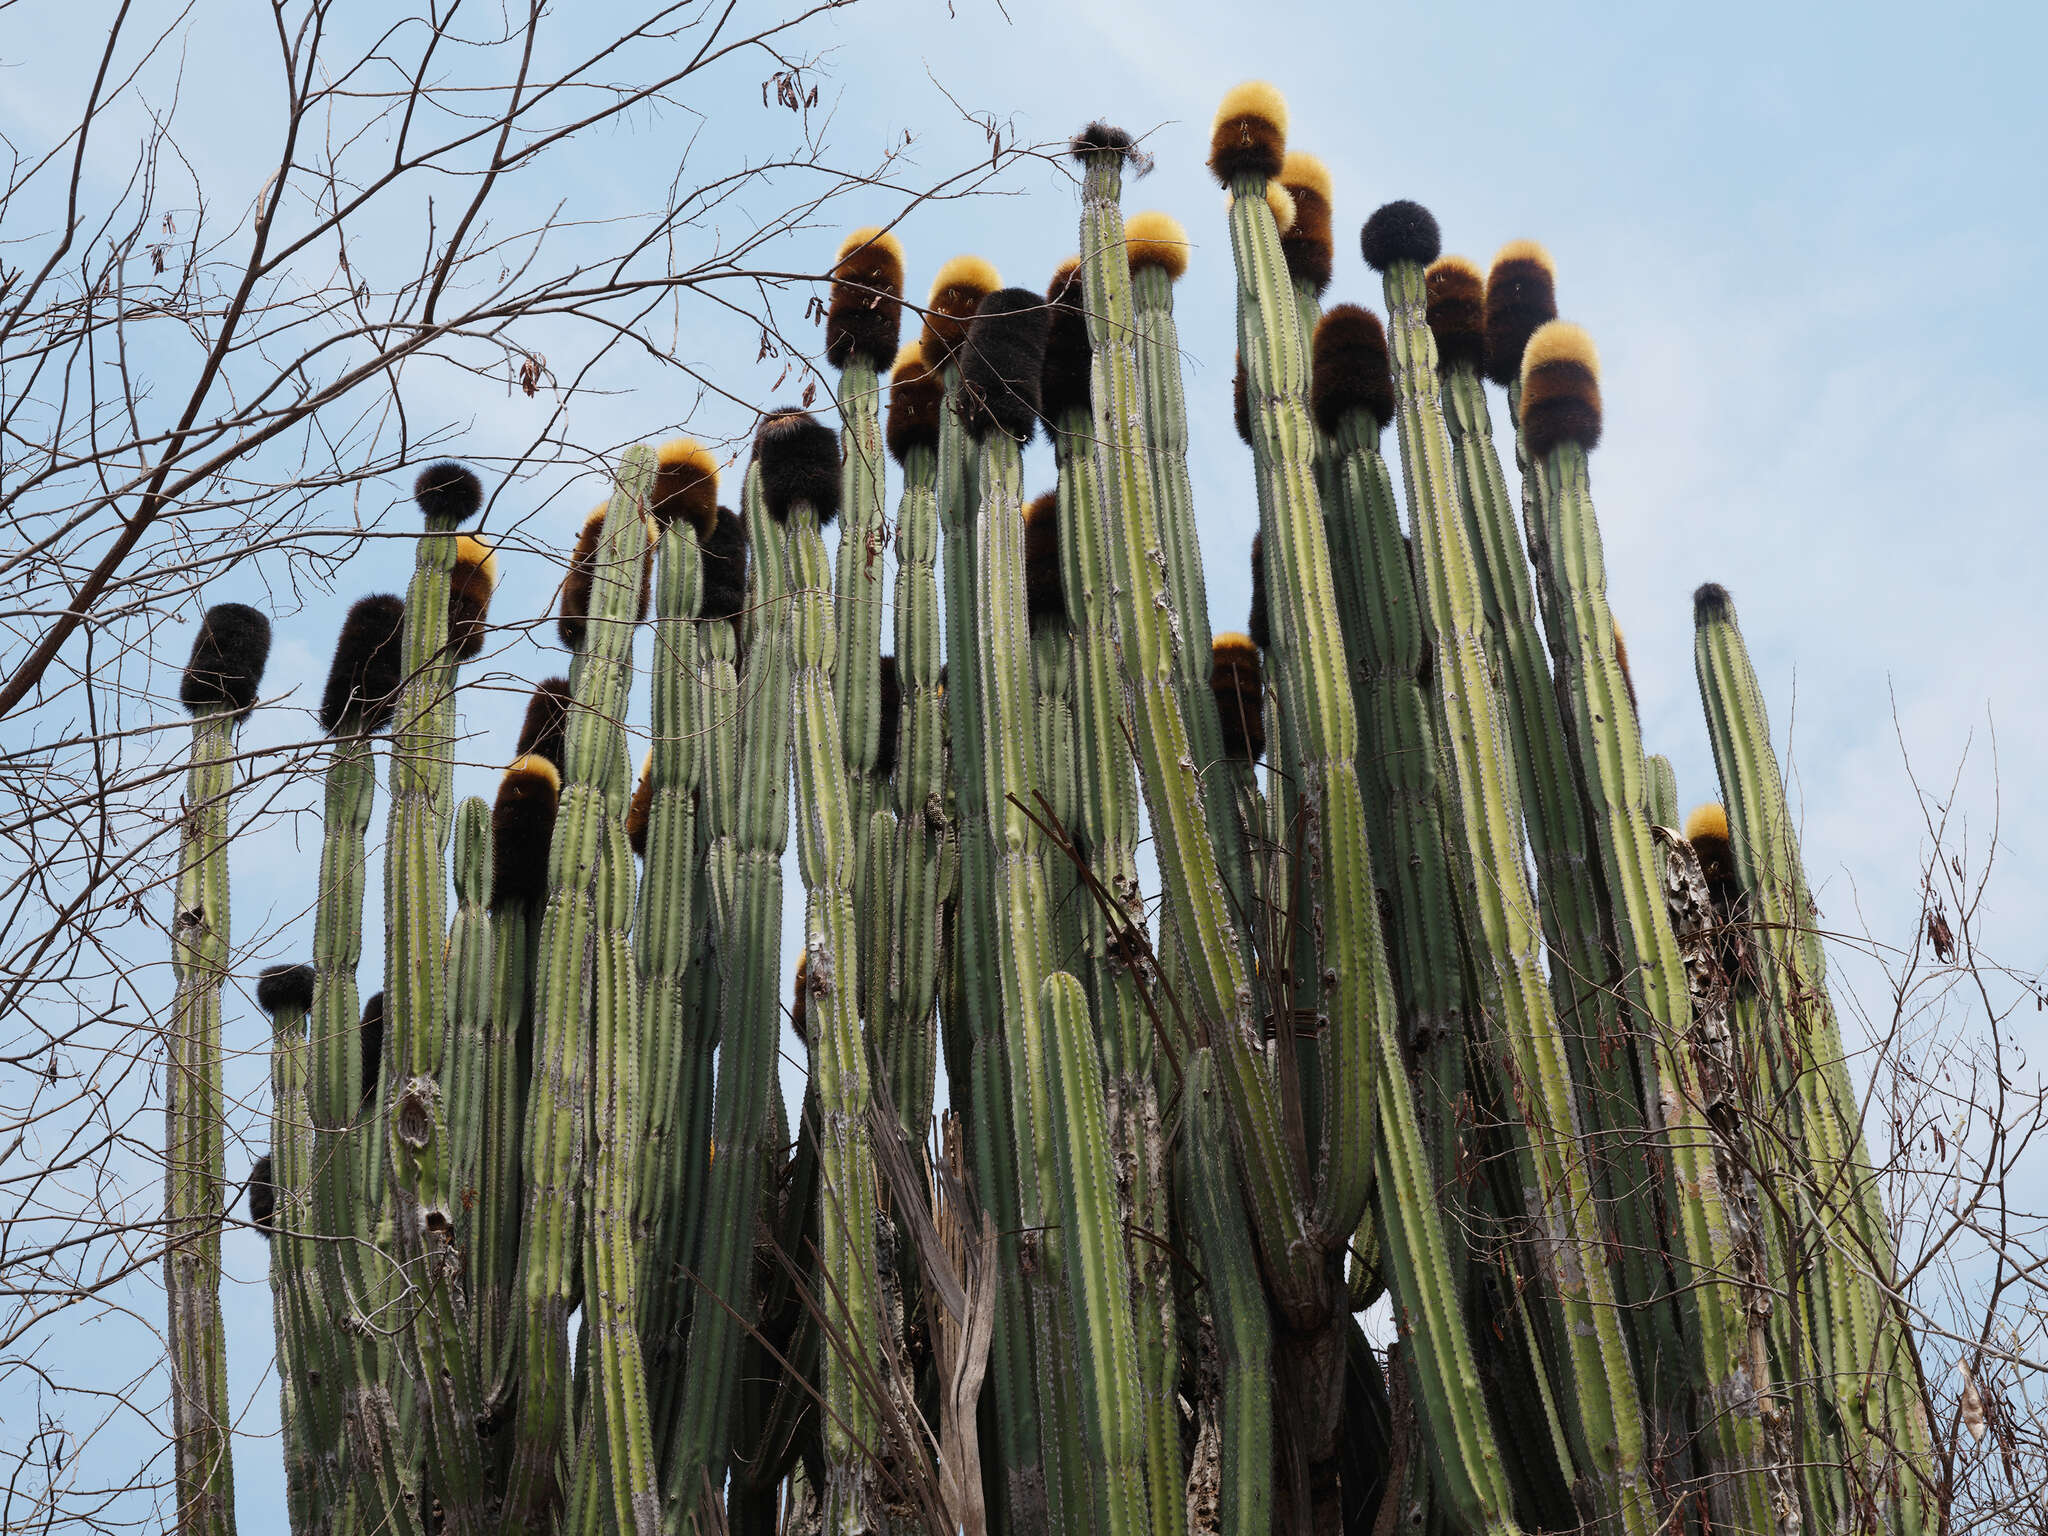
(472, 1000)
(195, 1173)
(1605, 1419)
(1661, 801)
(848, 1194)
(583, 921)
(745, 859)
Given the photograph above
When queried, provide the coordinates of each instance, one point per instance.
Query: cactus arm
(1661, 795)
(746, 885)
(839, 1063)
(571, 941)
(195, 1172)
(1605, 1418)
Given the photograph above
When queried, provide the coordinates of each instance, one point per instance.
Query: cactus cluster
(1440, 1004)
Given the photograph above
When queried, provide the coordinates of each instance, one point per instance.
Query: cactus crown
(1709, 820)
(1521, 295)
(1241, 402)
(1308, 243)
(368, 670)
(282, 987)
(370, 1032)
(522, 827)
(1155, 239)
(448, 492)
(228, 656)
(1045, 600)
(1256, 623)
(891, 696)
(545, 729)
(1249, 136)
(1711, 602)
(1235, 679)
(1280, 202)
(1063, 383)
(916, 393)
(725, 568)
(1001, 364)
(1400, 231)
(685, 484)
(1560, 389)
(957, 292)
(1100, 137)
(1351, 371)
(1457, 312)
(866, 312)
(798, 459)
(471, 580)
(574, 617)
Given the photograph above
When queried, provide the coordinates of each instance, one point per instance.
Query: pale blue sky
(1807, 240)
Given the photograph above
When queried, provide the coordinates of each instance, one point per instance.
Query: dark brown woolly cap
(1249, 135)
(1560, 389)
(799, 993)
(574, 617)
(368, 670)
(471, 580)
(866, 313)
(1001, 363)
(1235, 680)
(1400, 231)
(1064, 383)
(1241, 402)
(891, 697)
(262, 1194)
(370, 1035)
(1351, 371)
(546, 727)
(1457, 313)
(285, 988)
(448, 493)
(522, 828)
(228, 655)
(1045, 600)
(1308, 243)
(1257, 622)
(798, 456)
(1100, 138)
(1627, 678)
(1521, 296)
(725, 568)
(956, 293)
(640, 809)
(1711, 604)
(916, 394)
(1706, 828)
(685, 484)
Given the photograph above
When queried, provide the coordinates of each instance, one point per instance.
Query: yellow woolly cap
(476, 554)
(1257, 99)
(680, 454)
(909, 355)
(1559, 341)
(1525, 250)
(1709, 821)
(1229, 645)
(975, 274)
(874, 249)
(1303, 172)
(1151, 239)
(1281, 201)
(1458, 269)
(534, 764)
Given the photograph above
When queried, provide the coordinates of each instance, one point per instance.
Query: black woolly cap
(725, 568)
(1001, 363)
(1400, 231)
(227, 661)
(1521, 298)
(1235, 680)
(1711, 604)
(640, 809)
(1256, 623)
(1241, 402)
(281, 987)
(1351, 371)
(1457, 313)
(916, 394)
(522, 828)
(1064, 382)
(866, 313)
(1045, 601)
(891, 697)
(574, 618)
(369, 667)
(1097, 138)
(546, 727)
(370, 1035)
(798, 457)
(448, 492)
(262, 1194)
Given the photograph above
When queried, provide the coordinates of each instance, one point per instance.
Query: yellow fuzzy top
(909, 355)
(1709, 820)
(1525, 250)
(1281, 201)
(1155, 239)
(471, 550)
(533, 763)
(1072, 264)
(1229, 645)
(1458, 264)
(646, 764)
(1254, 98)
(975, 272)
(1559, 341)
(1305, 172)
(872, 241)
(686, 453)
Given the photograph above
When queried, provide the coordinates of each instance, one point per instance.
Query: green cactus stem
(1661, 799)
